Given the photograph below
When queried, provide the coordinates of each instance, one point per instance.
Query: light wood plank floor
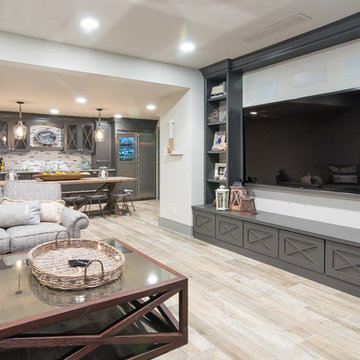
(240, 308)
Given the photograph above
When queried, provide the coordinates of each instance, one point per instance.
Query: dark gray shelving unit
(232, 101)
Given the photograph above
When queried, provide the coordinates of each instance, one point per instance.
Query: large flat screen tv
(312, 142)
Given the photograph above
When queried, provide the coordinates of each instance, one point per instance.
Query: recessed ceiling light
(151, 107)
(54, 111)
(89, 23)
(80, 100)
(117, 116)
(187, 47)
(253, 112)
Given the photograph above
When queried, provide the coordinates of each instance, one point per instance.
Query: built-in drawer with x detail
(262, 239)
(229, 230)
(204, 223)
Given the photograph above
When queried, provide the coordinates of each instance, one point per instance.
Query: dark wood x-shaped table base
(138, 307)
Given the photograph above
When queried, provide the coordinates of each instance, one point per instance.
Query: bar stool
(89, 201)
(72, 200)
(120, 201)
(128, 192)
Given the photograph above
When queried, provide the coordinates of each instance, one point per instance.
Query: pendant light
(99, 133)
(20, 129)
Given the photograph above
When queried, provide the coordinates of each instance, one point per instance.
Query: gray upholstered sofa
(21, 238)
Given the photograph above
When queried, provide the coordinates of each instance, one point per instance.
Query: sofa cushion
(24, 213)
(4, 242)
(26, 237)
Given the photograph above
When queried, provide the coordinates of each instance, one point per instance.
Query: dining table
(109, 185)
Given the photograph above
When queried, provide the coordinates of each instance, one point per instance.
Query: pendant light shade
(99, 133)
(20, 129)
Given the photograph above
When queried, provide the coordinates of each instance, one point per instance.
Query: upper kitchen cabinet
(7, 139)
(4, 136)
(79, 137)
(102, 155)
(87, 138)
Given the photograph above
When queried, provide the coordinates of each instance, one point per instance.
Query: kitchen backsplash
(46, 160)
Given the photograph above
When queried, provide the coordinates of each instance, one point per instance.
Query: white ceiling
(153, 29)
(150, 29)
(43, 89)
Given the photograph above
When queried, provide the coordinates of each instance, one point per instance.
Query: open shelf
(217, 123)
(216, 181)
(218, 98)
(217, 152)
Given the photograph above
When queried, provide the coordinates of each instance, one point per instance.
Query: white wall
(176, 189)
(185, 172)
(325, 71)
(181, 175)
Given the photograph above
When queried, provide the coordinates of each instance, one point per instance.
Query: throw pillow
(317, 180)
(343, 169)
(16, 213)
(306, 180)
(50, 210)
(345, 179)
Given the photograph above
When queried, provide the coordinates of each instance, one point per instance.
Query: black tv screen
(312, 142)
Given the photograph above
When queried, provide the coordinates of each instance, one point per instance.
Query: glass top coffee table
(125, 319)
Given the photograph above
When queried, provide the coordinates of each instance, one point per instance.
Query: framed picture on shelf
(219, 141)
(220, 171)
(218, 90)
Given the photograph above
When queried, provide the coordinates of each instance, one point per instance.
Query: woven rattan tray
(55, 297)
(49, 263)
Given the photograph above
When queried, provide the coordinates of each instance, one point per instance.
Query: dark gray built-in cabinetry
(326, 253)
(231, 103)
(322, 252)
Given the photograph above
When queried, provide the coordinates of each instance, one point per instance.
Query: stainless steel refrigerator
(136, 157)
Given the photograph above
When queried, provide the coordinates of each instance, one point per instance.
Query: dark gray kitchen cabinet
(72, 138)
(4, 136)
(87, 138)
(229, 230)
(302, 250)
(79, 137)
(102, 154)
(261, 239)
(7, 137)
